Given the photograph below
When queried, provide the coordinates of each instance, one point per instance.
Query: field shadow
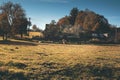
(8, 42)
(9, 75)
(81, 72)
(76, 72)
(106, 44)
(16, 64)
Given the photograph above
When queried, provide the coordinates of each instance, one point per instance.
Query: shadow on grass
(117, 45)
(77, 72)
(16, 64)
(8, 42)
(7, 75)
(106, 44)
(81, 72)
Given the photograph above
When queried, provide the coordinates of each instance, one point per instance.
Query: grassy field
(20, 60)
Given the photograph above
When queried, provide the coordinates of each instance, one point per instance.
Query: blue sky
(42, 12)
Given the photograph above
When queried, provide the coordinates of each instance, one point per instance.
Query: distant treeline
(78, 25)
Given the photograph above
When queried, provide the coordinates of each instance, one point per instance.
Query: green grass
(21, 60)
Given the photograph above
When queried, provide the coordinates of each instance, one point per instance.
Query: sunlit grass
(60, 61)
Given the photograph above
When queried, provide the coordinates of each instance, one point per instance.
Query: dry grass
(34, 34)
(59, 62)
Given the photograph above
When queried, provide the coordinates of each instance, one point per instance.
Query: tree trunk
(21, 35)
(6, 37)
(3, 37)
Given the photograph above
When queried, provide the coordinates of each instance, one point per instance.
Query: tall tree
(20, 27)
(4, 27)
(73, 15)
(14, 15)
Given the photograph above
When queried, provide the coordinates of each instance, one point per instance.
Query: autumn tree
(90, 21)
(64, 21)
(4, 26)
(15, 18)
(80, 23)
(20, 27)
